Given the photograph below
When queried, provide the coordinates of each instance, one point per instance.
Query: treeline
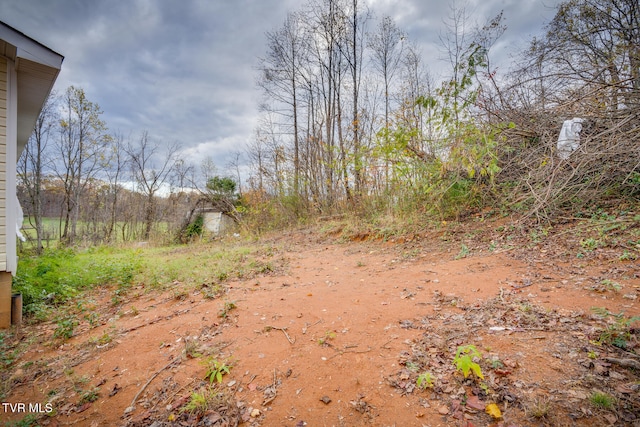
(353, 119)
(98, 187)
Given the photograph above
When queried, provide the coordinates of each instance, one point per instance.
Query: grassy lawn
(58, 275)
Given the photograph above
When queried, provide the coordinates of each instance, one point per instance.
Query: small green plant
(412, 366)
(611, 285)
(590, 244)
(602, 400)
(195, 228)
(104, 339)
(198, 403)
(180, 294)
(328, 335)
(92, 318)
(90, 395)
(29, 421)
(216, 370)
(191, 348)
(464, 252)
(464, 361)
(205, 399)
(628, 256)
(424, 381)
(7, 355)
(617, 333)
(65, 328)
(228, 306)
(539, 408)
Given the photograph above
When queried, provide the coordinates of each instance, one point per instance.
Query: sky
(185, 70)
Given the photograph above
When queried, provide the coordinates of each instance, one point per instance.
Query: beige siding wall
(3, 163)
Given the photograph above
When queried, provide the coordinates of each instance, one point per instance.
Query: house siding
(3, 160)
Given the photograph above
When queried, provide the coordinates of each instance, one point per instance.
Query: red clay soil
(341, 335)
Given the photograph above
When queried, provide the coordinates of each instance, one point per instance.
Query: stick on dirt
(133, 402)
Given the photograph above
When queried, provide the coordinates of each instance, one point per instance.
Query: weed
(198, 403)
(590, 244)
(611, 285)
(228, 306)
(216, 370)
(191, 348)
(539, 408)
(424, 381)
(29, 421)
(7, 356)
(602, 400)
(628, 256)
(102, 340)
(221, 276)
(180, 294)
(92, 318)
(464, 361)
(464, 252)
(328, 335)
(211, 291)
(65, 328)
(617, 333)
(207, 399)
(412, 366)
(496, 363)
(90, 395)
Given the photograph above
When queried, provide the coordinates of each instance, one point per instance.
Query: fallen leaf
(83, 407)
(115, 390)
(493, 410)
(325, 399)
(474, 403)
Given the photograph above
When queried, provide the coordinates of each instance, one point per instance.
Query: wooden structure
(28, 71)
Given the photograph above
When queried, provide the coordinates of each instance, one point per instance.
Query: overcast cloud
(185, 70)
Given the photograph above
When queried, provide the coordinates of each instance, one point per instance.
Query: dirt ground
(356, 331)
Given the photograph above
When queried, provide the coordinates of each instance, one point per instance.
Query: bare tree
(82, 142)
(32, 165)
(281, 75)
(118, 163)
(150, 178)
(387, 51)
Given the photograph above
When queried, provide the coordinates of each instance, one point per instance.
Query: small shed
(217, 222)
(28, 71)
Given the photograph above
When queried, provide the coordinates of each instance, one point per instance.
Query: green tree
(221, 191)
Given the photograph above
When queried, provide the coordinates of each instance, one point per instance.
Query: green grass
(60, 276)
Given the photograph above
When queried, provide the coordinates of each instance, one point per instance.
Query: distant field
(52, 230)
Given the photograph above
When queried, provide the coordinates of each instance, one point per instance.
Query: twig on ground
(284, 331)
(131, 407)
(625, 363)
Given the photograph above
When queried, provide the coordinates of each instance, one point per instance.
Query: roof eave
(37, 68)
